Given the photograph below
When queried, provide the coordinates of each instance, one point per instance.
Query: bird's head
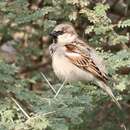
(64, 33)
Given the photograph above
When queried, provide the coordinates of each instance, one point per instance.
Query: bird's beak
(54, 34)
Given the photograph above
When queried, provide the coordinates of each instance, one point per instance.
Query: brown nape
(71, 30)
(66, 28)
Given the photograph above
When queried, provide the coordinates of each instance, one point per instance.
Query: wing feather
(83, 60)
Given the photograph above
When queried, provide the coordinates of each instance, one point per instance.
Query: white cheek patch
(65, 38)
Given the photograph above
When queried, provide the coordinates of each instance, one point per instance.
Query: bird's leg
(60, 89)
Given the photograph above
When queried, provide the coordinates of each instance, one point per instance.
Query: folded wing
(83, 60)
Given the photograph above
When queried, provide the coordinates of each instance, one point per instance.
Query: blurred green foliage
(24, 25)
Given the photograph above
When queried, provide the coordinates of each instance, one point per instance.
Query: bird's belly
(65, 70)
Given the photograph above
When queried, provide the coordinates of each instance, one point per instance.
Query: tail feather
(110, 93)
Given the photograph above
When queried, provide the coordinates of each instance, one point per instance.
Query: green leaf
(37, 122)
(89, 29)
(125, 23)
(101, 9)
(73, 15)
(34, 16)
(59, 124)
(102, 29)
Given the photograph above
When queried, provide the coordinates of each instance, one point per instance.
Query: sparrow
(74, 60)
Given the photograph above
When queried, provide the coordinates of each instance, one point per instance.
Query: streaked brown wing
(84, 61)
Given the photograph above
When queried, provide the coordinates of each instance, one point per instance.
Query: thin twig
(60, 89)
(48, 100)
(48, 83)
(23, 111)
(48, 113)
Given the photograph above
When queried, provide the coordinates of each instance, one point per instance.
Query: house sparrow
(74, 60)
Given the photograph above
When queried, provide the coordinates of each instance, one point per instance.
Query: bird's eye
(59, 32)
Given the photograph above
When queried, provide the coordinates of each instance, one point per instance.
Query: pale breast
(64, 69)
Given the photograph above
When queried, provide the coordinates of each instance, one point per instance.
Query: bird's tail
(110, 93)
